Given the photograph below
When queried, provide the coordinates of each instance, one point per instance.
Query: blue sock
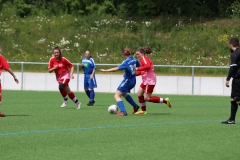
(92, 95)
(121, 106)
(88, 93)
(131, 101)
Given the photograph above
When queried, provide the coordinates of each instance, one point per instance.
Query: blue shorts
(89, 83)
(126, 85)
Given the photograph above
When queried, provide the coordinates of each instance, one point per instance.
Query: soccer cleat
(90, 103)
(78, 105)
(168, 102)
(228, 122)
(141, 112)
(135, 109)
(121, 114)
(64, 104)
(1, 114)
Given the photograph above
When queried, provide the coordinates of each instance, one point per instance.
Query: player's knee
(61, 87)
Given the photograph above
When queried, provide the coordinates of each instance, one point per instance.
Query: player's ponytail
(148, 50)
(126, 51)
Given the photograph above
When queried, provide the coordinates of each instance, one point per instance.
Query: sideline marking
(104, 127)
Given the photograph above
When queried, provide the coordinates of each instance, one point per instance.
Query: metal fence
(111, 65)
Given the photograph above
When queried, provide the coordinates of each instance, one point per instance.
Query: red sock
(156, 99)
(142, 103)
(141, 99)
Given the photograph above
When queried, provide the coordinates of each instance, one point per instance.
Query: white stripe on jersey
(66, 60)
(233, 65)
(144, 60)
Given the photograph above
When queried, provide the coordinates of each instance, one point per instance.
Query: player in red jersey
(146, 70)
(4, 65)
(60, 65)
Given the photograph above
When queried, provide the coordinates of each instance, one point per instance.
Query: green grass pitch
(36, 127)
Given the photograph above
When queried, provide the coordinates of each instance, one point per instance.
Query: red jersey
(146, 70)
(63, 67)
(3, 64)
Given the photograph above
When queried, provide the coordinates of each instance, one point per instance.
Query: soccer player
(146, 70)
(90, 83)
(60, 65)
(128, 82)
(234, 72)
(4, 65)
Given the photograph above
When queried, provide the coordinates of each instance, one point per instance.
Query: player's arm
(71, 72)
(93, 73)
(14, 77)
(145, 65)
(6, 66)
(94, 68)
(50, 70)
(231, 71)
(110, 70)
(138, 73)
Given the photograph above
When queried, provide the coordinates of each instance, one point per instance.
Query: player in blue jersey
(90, 83)
(129, 66)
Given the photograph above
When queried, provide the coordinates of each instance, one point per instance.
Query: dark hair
(89, 52)
(58, 48)
(234, 42)
(146, 50)
(127, 52)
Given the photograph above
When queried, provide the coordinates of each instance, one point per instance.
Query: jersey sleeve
(93, 63)
(50, 64)
(123, 65)
(233, 66)
(5, 65)
(146, 64)
(68, 63)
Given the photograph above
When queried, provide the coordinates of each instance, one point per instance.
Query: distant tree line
(124, 8)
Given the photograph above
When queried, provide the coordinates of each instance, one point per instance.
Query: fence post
(22, 75)
(77, 77)
(192, 80)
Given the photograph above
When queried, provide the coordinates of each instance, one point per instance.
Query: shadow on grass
(17, 115)
(158, 114)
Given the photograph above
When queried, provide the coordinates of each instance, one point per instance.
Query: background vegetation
(183, 32)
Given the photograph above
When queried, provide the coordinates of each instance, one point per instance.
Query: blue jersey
(129, 65)
(89, 65)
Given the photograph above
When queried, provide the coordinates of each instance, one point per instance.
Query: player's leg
(234, 97)
(120, 103)
(92, 84)
(155, 99)
(64, 94)
(72, 96)
(130, 100)
(85, 83)
(141, 100)
(126, 88)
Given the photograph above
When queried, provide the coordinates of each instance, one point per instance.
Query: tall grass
(175, 41)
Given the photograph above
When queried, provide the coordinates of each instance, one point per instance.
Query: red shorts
(147, 88)
(64, 81)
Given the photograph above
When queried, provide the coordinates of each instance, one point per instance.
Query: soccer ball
(112, 109)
